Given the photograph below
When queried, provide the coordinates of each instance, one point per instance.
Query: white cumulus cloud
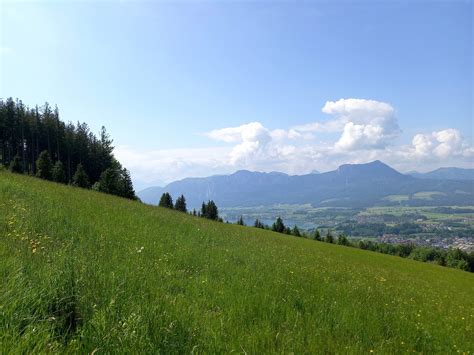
(367, 124)
(359, 131)
(441, 144)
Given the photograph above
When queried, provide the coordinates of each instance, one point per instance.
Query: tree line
(35, 141)
(208, 210)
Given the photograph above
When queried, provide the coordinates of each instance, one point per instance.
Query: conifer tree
(80, 178)
(166, 200)
(240, 221)
(212, 211)
(278, 226)
(108, 182)
(116, 181)
(258, 224)
(126, 185)
(296, 231)
(329, 237)
(180, 204)
(58, 173)
(317, 235)
(44, 166)
(342, 240)
(15, 165)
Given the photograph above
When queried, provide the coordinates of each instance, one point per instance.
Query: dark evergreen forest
(37, 142)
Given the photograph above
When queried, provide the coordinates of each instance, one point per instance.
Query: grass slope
(82, 271)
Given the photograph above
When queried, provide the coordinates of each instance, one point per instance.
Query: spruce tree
(116, 181)
(329, 237)
(166, 200)
(58, 173)
(44, 166)
(296, 231)
(80, 178)
(212, 211)
(109, 182)
(317, 235)
(342, 240)
(278, 226)
(15, 165)
(127, 185)
(180, 204)
(240, 221)
(258, 224)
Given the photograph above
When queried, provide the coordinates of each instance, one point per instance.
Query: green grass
(81, 272)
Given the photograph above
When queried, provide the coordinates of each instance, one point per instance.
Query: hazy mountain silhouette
(446, 173)
(351, 185)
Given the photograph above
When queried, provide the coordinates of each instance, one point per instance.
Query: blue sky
(196, 88)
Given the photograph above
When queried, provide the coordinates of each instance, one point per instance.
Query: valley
(362, 201)
(441, 227)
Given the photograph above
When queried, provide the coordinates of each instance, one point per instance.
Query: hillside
(87, 272)
(351, 185)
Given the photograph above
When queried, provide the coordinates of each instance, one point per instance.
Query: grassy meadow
(86, 272)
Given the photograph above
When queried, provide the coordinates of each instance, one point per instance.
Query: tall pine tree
(180, 204)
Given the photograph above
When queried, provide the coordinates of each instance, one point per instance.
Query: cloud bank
(364, 129)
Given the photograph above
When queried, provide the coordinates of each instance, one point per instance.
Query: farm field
(82, 271)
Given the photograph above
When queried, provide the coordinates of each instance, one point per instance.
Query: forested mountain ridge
(351, 185)
(37, 142)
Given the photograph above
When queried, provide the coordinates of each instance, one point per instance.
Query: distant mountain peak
(376, 164)
(243, 172)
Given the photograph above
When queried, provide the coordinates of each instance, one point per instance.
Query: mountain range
(446, 173)
(350, 185)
